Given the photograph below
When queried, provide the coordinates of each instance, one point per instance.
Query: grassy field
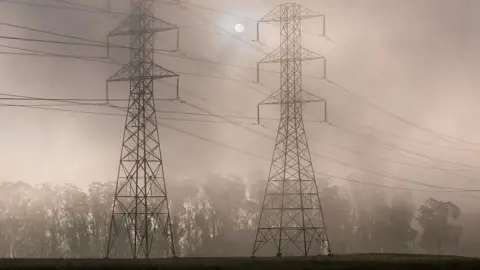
(343, 262)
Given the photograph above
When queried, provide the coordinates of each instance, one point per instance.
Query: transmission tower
(140, 216)
(291, 220)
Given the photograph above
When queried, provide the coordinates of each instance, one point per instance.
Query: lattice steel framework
(141, 210)
(291, 220)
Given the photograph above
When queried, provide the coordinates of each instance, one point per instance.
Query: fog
(412, 62)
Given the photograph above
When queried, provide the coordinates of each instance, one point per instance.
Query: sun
(239, 28)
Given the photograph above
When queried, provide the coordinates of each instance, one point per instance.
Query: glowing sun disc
(239, 28)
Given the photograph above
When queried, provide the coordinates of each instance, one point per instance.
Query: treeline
(218, 217)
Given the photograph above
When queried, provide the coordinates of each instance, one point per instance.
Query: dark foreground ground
(341, 262)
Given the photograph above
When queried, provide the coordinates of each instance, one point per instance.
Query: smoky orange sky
(416, 59)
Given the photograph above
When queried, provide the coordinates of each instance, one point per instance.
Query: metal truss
(291, 220)
(140, 216)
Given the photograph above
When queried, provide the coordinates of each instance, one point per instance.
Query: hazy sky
(415, 58)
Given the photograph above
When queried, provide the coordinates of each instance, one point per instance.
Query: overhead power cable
(98, 59)
(104, 44)
(434, 133)
(45, 53)
(363, 154)
(176, 2)
(207, 8)
(244, 152)
(116, 114)
(101, 10)
(442, 189)
(32, 4)
(370, 170)
(11, 97)
(373, 105)
(444, 170)
(392, 161)
(346, 130)
(103, 100)
(385, 175)
(202, 75)
(232, 122)
(383, 186)
(421, 142)
(90, 59)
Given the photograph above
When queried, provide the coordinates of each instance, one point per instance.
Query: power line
(82, 58)
(82, 101)
(224, 145)
(89, 58)
(70, 99)
(378, 108)
(93, 9)
(95, 59)
(103, 105)
(221, 12)
(56, 56)
(219, 116)
(390, 176)
(44, 53)
(368, 170)
(205, 75)
(31, 4)
(319, 173)
(227, 32)
(385, 175)
(106, 45)
(207, 8)
(214, 77)
(50, 32)
(400, 148)
(390, 133)
(392, 161)
(449, 171)
(436, 134)
(381, 186)
(242, 117)
(268, 159)
(394, 148)
(113, 114)
(157, 51)
(98, 43)
(125, 15)
(110, 114)
(90, 7)
(103, 45)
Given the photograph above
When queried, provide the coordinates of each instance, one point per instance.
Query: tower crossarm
(128, 73)
(277, 56)
(129, 25)
(276, 99)
(278, 14)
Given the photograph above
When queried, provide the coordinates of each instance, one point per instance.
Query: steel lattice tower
(291, 220)
(141, 210)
